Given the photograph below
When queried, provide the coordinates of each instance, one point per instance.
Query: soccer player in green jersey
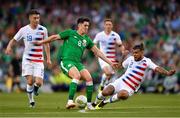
(75, 42)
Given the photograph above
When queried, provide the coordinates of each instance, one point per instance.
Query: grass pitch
(53, 105)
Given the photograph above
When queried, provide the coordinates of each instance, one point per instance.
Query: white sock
(89, 103)
(112, 99)
(99, 97)
(103, 79)
(70, 101)
(29, 90)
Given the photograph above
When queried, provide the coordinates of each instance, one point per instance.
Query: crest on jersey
(69, 65)
(84, 42)
(75, 37)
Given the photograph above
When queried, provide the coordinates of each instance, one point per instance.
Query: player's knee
(39, 82)
(109, 90)
(77, 76)
(123, 95)
(30, 83)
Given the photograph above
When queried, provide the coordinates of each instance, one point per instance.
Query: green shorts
(66, 65)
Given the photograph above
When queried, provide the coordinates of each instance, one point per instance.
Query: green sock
(72, 90)
(89, 91)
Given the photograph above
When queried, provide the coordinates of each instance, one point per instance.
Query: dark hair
(82, 20)
(139, 46)
(108, 20)
(33, 11)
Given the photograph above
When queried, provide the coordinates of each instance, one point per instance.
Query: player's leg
(106, 76)
(89, 87)
(121, 95)
(75, 75)
(27, 72)
(107, 91)
(121, 90)
(38, 83)
(69, 68)
(38, 73)
(30, 89)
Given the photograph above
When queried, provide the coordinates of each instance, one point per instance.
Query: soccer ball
(81, 101)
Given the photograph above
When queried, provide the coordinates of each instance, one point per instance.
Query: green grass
(53, 105)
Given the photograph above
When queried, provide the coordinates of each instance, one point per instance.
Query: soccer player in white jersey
(108, 41)
(32, 62)
(131, 80)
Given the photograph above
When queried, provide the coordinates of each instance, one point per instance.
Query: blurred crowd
(155, 22)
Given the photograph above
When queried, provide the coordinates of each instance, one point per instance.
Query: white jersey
(133, 76)
(108, 44)
(32, 52)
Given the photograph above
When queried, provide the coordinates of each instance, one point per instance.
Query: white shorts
(33, 68)
(103, 64)
(119, 85)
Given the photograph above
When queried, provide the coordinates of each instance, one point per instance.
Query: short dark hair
(83, 19)
(33, 11)
(139, 46)
(108, 20)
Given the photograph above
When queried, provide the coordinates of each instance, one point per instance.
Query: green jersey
(74, 45)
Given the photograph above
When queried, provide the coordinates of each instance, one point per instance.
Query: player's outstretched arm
(165, 72)
(48, 40)
(99, 54)
(9, 46)
(48, 57)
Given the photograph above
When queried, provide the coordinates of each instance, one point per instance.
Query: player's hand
(125, 52)
(171, 72)
(49, 63)
(8, 51)
(115, 66)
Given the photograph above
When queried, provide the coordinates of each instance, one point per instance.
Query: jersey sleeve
(90, 43)
(125, 63)
(65, 34)
(151, 64)
(96, 39)
(18, 36)
(118, 39)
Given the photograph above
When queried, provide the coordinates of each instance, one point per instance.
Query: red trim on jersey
(144, 64)
(111, 56)
(133, 88)
(114, 61)
(139, 79)
(42, 33)
(132, 81)
(35, 55)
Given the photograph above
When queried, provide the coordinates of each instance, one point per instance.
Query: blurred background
(155, 22)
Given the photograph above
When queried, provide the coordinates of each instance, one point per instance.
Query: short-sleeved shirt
(74, 45)
(32, 52)
(108, 44)
(133, 76)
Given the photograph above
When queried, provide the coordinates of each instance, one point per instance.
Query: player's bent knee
(77, 76)
(123, 95)
(109, 90)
